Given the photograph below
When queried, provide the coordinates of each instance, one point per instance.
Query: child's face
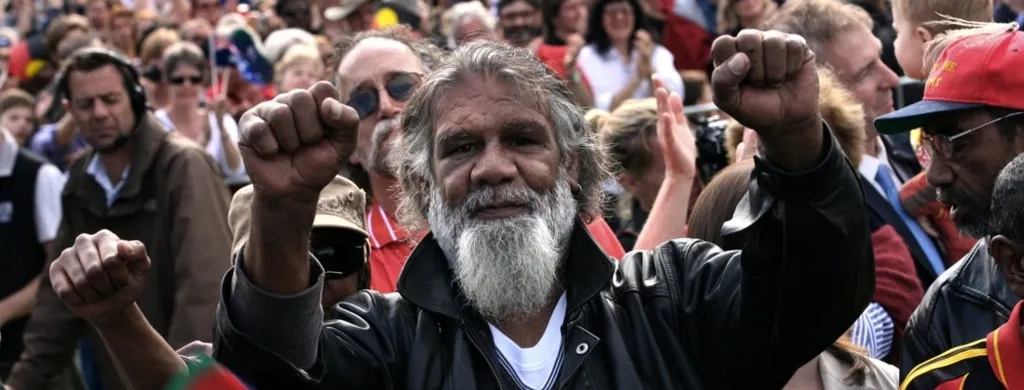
(909, 45)
(18, 121)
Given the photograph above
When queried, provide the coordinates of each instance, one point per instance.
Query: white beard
(382, 156)
(507, 268)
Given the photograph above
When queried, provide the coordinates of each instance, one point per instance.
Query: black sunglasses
(340, 259)
(366, 101)
(195, 80)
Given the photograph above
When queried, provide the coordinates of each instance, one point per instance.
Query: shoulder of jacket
(953, 363)
(180, 150)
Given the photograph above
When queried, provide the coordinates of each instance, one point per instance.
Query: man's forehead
(477, 102)
(852, 50)
(100, 81)
(372, 58)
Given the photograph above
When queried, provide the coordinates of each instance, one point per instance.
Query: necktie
(884, 178)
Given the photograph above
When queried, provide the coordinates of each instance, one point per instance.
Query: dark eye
(521, 141)
(462, 149)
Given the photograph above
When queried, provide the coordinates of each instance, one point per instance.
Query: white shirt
(609, 73)
(535, 367)
(49, 185)
(213, 145)
(99, 173)
(869, 167)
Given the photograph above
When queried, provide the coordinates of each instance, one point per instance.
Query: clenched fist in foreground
(768, 81)
(100, 277)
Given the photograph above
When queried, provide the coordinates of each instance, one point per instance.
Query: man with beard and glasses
(509, 290)
(973, 126)
(519, 21)
(144, 184)
(376, 72)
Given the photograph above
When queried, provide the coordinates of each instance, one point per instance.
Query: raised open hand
(295, 144)
(101, 276)
(678, 146)
(766, 80)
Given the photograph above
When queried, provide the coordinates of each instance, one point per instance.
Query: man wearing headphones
(144, 184)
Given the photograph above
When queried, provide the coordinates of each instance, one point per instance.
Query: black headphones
(136, 93)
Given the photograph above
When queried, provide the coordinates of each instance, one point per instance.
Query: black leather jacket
(684, 316)
(969, 300)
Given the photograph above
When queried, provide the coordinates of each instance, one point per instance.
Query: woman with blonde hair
(652, 162)
(186, 71)
(736, 15)
(150, 58)
(299, 68)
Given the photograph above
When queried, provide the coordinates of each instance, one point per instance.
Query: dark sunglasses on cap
(195, 80)
(341, 258)
(366, 100)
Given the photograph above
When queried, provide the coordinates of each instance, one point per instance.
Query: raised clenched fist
(766, 80)
(101, 276)
(294, 145)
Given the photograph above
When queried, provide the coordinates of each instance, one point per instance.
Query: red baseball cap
(982, 70)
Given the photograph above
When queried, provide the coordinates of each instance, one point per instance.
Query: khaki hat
(342, 205)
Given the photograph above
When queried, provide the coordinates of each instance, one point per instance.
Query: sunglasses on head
(366, 100)
(194, 80)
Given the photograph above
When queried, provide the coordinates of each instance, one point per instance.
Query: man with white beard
(376, 72)
(509, 290)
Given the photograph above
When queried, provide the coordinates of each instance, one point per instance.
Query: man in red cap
(973, 125)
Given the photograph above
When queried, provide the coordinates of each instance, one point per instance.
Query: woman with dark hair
(186, 71)
(620, 57)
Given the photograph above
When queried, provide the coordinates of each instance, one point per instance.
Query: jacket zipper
(494, 371)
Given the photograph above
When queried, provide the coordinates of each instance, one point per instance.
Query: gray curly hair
(522, 70)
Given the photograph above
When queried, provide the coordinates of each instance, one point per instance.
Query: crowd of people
(523, 194)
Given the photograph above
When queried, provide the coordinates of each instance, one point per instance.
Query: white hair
(464, 12)
(278, 42)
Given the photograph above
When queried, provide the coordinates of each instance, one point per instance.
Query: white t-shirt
(608, 74)
(213, 146)
(535, 367)
(49, 185)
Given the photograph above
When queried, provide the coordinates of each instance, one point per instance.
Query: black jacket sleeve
(752, 317)
(359, 344)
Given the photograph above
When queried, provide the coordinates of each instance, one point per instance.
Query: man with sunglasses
(973, 126)
(338, 239)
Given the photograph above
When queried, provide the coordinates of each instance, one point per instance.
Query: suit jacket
(880, 211)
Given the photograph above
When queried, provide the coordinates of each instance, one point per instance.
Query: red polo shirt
(390, 245)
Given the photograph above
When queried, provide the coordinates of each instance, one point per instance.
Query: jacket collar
(427, 279)
(147, 138)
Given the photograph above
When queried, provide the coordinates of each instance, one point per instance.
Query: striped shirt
(390, 246)
(995, 362)
(873, 331)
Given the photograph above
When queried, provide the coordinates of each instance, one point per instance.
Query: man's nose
(890, 79)
(100, 110)
(389, 107)
(494, 166)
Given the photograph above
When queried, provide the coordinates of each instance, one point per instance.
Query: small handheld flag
(206, 374)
